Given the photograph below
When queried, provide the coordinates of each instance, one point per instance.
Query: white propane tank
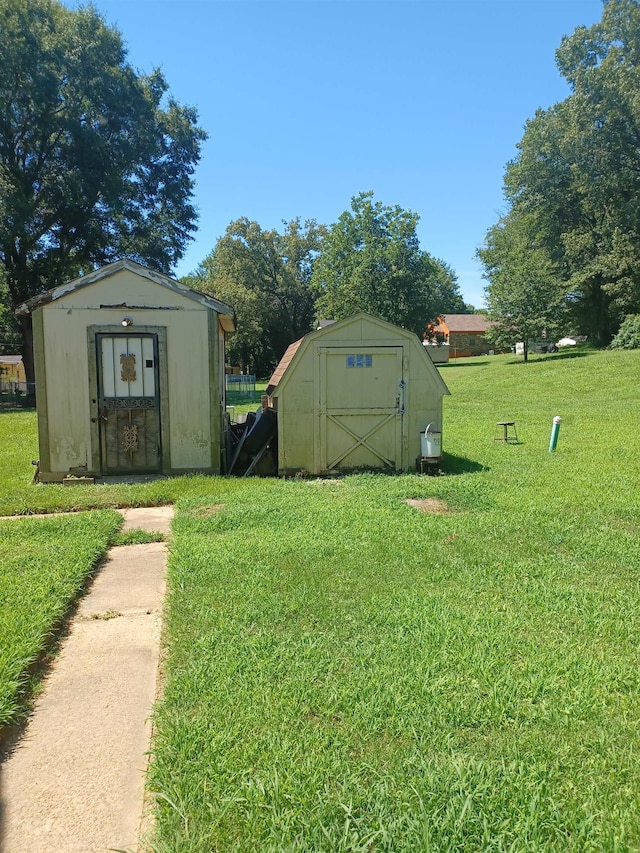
(430, 442)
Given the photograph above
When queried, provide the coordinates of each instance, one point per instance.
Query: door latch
(104, 414)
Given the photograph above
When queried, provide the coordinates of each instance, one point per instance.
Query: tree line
(566, 255)
(97, 163)
(96, 160)
(281, 283)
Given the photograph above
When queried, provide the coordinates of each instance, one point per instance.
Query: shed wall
(297, 419)
(194, 428)
(124, 288)
(298, 395)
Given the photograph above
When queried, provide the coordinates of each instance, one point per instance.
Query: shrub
(628, 336)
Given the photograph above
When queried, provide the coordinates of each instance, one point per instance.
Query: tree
(578, 172)
(10, 340)
(96, 162)
(447, 298)
(371, 261)
(524, 294)
(266, 276)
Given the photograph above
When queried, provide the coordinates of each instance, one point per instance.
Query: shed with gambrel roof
(355, 395)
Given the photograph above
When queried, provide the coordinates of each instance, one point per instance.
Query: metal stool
(506, 435)
(428, 464)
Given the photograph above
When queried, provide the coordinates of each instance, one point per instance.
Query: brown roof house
(465, 334)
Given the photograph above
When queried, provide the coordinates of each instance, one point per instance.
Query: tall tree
(371, 261)
(524, 295)
(10, 340)
(447, 298)
(96, 161)
(266, 276)
(578, 172)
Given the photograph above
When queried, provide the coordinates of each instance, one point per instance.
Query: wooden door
(128, 403)
(361, 408)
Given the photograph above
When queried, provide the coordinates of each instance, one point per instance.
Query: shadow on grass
(11, 409)
(237, 398)
(466, 363)
(460, 465)
(543, 359)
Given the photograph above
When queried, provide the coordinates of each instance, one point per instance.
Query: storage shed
(129, 375)
(355, 395)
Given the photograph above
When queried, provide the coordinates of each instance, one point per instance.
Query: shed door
(129, 403)
(361, 407)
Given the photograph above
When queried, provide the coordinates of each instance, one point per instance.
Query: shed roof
(293, 349)
(10, 359)
(470, 323)
(284, 362)
(226, 312)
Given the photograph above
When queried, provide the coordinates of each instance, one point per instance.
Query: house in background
(12, 371)
(465, 334)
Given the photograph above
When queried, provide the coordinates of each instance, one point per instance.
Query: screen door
(128, 403)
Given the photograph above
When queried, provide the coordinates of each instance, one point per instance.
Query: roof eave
(221, 308)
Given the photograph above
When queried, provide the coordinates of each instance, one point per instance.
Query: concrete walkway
(75, 782)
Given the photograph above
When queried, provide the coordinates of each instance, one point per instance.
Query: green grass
(347, 674)
(138, 537)
(44, 564)
(19, 496)
(244, 402)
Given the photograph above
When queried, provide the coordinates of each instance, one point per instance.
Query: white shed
(129, 375)
(352, 395)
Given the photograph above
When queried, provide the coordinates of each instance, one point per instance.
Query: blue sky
(309, 102)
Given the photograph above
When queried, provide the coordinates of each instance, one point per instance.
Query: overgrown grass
(345, 673)
(44, 564)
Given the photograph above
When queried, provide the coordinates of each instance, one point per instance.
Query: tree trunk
(27, 358)
(595, 313)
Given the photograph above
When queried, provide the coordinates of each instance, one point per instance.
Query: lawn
(346, 673)
(44, 564)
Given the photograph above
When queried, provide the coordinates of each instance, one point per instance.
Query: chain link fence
(17, 394)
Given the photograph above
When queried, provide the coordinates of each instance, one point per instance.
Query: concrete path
(75, 782)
